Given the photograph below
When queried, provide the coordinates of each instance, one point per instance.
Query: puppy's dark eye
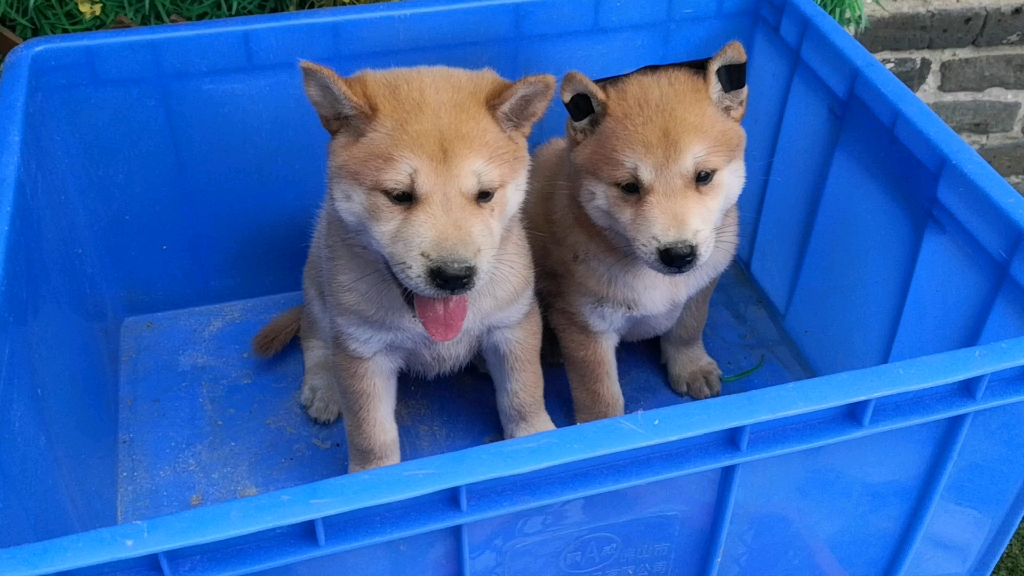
(630, 188)
(704, 177)
(484, 196)
(401, 197)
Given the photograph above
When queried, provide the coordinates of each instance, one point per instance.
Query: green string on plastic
(745, 373)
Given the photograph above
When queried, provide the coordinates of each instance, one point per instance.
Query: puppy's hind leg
(513, 360)
(320, 392)
(690, 369)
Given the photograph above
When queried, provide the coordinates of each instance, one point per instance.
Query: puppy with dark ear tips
(633, 220)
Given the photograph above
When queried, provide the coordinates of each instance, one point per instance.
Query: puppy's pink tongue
(442, 318)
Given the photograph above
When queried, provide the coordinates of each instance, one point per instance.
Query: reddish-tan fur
(600, 279)
(273, 337)
(445, 135)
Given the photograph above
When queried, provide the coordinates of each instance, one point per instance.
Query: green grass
(29, 18)
(848, 13)
(1012, 563)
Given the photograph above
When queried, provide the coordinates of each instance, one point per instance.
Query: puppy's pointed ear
(586, 103)
(517, 106)
(726, 77)
(339, 109)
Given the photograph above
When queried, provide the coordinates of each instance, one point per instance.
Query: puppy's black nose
(452, 277)
(678, 257)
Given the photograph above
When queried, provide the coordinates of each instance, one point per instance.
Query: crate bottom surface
(202, 420)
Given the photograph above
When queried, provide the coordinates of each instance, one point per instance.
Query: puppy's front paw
(591, 411)
(369, 463)
(541, 423)
(699, 378)
(322, 401)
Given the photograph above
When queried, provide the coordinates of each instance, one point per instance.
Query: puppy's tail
(277, 333)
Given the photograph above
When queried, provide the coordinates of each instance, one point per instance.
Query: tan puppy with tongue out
(419, 260)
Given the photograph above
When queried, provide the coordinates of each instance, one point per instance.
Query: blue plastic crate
(157, 189)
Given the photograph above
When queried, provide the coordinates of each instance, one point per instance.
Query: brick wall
(966, 60)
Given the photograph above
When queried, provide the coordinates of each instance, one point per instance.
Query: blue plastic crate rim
(864, 216)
